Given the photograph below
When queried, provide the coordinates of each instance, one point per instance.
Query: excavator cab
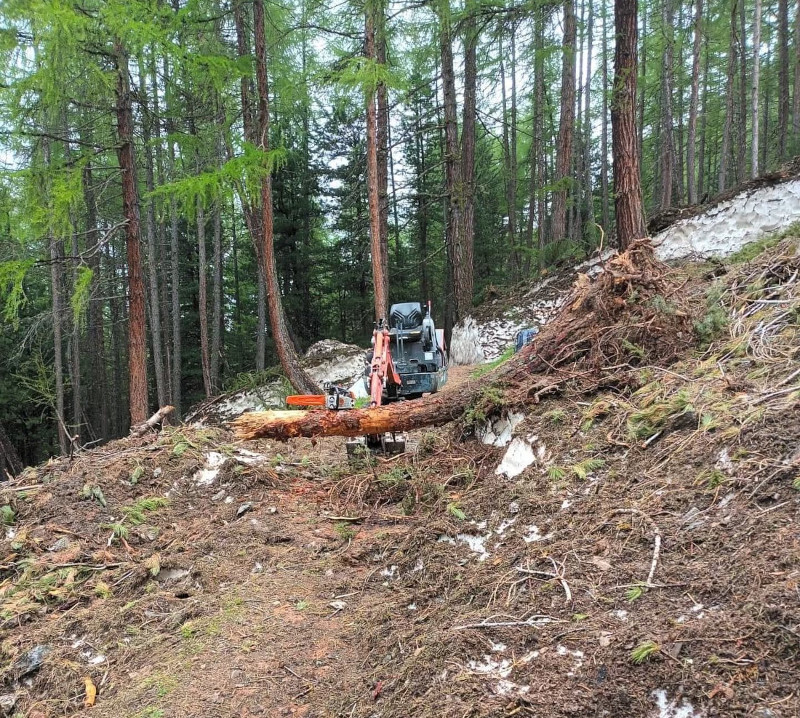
(417, 353)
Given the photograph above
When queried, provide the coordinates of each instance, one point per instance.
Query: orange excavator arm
(382, 371)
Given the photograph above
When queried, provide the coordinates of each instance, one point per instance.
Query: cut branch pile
(630, 311)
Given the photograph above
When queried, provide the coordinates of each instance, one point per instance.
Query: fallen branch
(152, 422)
(656, 541)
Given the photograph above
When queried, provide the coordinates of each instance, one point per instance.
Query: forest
(194, 191)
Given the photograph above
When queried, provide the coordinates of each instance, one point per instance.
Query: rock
(60, 545)
(32, 660)
(244, 508)
(7, 703)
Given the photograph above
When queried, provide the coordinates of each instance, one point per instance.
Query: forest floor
(647, 563)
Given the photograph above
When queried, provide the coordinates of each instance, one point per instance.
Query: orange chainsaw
(335, 398)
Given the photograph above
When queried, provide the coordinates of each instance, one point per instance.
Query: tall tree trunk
(783, 77)
(378, 251)
(566, 124)
(796, 95)
(56, 260)
(755, 86)
(667, 159)
(459, 255)
(604, 136)
(137, 330)
(152, 252)
(216, 301)
(10, 464)
(627, 182)
(252, 217)
(701, 160)
(382, 135)
(116, 312)
(75, 350)
(693, 103)
(283, 344)
(98, 396)
(587, 129)
(202, 296)
(513, 254)
(469, 113)
(538, 132)
(422, 204)
(727, 129)
(643, 84)
(741, 148)
(175, 263)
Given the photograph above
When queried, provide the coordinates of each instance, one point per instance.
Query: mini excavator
(407, 360)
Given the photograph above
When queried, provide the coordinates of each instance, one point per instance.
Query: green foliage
(586, 467)
(753, 249)
(634, 593)
(345, 531)
(7, 515)
(81, 291)
(555, 416)
(644, 652)
(136, 513)
(454, 509)
(556, 473)
(12, 294)
(484, 369)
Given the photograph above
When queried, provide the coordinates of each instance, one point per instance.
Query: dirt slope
(429, 585)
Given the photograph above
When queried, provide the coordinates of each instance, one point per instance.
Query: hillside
(632, 551)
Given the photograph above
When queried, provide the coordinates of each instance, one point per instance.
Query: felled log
(436, 410)
(606, 322)
(152, 422)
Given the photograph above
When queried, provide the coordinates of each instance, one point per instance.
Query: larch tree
(627, 180)
(137, 332)
(284, 347)
(566, 126)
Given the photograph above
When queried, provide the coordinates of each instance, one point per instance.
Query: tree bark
(98, 408)
(382, 135)
(251, 216)
(627, 182)
(783, 77)
(667, 160)
(606, 216)
(377, 248)
(137, 331)
(587, 129)
(283, 343)
(693, 103)
(152, 251)
(464, 273)
(566, 124)
(459, 255)
(202, 296)
(796, 95)
(727, 129)
(216, 301)
(755, 87)
(10, 464)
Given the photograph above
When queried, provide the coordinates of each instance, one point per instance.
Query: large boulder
(326, 361)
